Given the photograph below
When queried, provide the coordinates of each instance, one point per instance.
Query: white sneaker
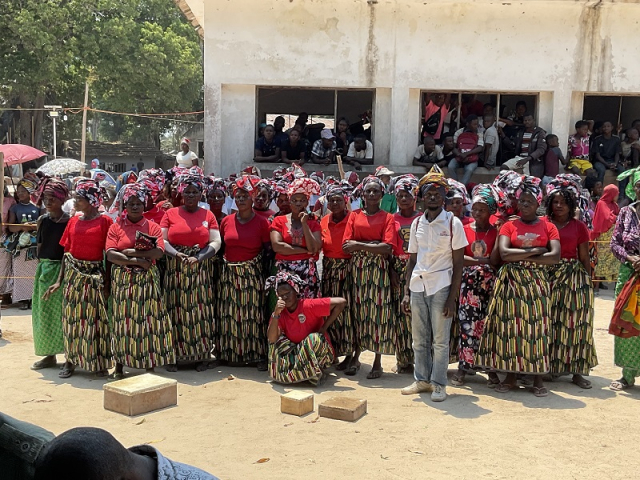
(417, 387)
(439, 393)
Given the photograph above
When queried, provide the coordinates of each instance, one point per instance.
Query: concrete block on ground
(343, 408)
(296, 403)
(140, 394)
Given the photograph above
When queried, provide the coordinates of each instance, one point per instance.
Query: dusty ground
(226, 426)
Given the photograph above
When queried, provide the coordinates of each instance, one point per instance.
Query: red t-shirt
(85, 239)
(403, 228)
(156, 214)
(295, 238)
(467, 220)
(368, 228)
(523, 235)
(573, 234)
(307, 318)
(267, 214)
(480, 243)
(122, 234)
(332, 235)
(243, 241)
(189, 229)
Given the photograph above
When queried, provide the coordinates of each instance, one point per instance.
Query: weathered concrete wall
(400, 47)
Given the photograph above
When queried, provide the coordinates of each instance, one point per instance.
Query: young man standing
(434, 274)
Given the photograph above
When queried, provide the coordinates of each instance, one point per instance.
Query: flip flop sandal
(493, 382)
(540, 391)
(619, 385)
(352, 370)
(66, 372)
(582, 383)
(116, 376)
(41, 364)
(456, 381)
(373, 374)
(262, 366)
(505, 387)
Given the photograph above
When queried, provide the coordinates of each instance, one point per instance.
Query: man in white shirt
(491, 141)
(360, 152)
(186, 158)
(434, 274)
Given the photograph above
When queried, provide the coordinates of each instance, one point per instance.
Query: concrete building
(569, 58)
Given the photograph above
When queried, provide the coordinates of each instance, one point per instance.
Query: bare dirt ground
(225, 426)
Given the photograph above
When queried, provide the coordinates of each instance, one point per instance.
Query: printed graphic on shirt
(528, 239)
(297, 236)
(404, 233)
(479, 249)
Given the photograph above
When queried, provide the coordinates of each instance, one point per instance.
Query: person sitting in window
(435, 112)
(427, 155)
(267, 149)
(529, 147)
(360, 152)
(293, 149)
(324, 149)
(343, 137)
(278, 125)
(468, 144)
(516, 118)
(578, 150)
(606, 152)
(447, 147)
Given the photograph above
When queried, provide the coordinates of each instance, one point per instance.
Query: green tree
(142, 57)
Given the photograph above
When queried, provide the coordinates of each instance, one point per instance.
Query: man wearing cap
(388, 203)
(434, 275)
(360, 152)
(186, 158)
(324, 149)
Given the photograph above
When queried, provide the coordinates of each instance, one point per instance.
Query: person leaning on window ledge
(360, 152)
(267, 149)
(324, 149)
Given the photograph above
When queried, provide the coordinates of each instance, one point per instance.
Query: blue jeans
(601, 168)
(431, 331)
(468, 170)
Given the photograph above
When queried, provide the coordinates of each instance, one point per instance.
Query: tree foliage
(141, 56)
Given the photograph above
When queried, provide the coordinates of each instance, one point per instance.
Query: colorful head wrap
(573, 183)
(126, 178)
(458, 190)
(137, 190)
(406, 183)
(281, 188)
(343, 188)
(216, 184)
(351, 177)
(251, 170)
(51, 186)
(433, 178)
(634, 173)
(193, 176)
(485, 193)
(305, 186)
(506, 185)
(278, 173)
(291, 279)
(530, 185)
(359, 190)
(318, 177)
(154, 179)
(293, 172)
(247, 183)
(91, 191)
(30, 182)
(268, 185)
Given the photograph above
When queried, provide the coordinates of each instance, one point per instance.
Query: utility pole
(54, 113)
(84, 121)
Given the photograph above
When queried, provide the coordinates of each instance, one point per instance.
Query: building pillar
(382, 126)
(563, 112)
(212, 127)
(237, 132)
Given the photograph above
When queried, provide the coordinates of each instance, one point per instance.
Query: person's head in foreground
(87, 453)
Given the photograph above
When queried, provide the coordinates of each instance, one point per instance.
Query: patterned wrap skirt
(404, 340)
(372, 307)
(142, 334)
(307, 270)
(87, 340)
(336, 282)
(298, 362)
(572, 348)
(241, 333)
(6, 272)
(189, 298)
(626, 351)
(25, 265)
(516, 333)
(46, 315)
(607, 265)
(476, 292)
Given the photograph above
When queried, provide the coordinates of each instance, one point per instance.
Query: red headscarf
(606, 211)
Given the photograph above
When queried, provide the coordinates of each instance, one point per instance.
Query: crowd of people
(184, 268)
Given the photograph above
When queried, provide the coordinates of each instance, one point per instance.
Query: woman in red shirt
(296, 237)
(481, 258)
(262, 199)
(336, 269)
(154, 180)
(87, 340)
(299, 347)
(141, 328)
(216, 197)
(572, 348)
(242, 329)
(405, 186)
(517, 337)
(191, 239)
(369, 238)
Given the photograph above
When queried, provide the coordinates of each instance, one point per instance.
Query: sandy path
(225, 426)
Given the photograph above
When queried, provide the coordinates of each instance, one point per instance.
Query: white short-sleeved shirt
(437, 153)
(186, 160)
(491, 138)
(432, 243)
(366, 153)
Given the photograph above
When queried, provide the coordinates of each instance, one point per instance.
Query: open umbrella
(15, 153)
(62, 166)
(102, 176)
